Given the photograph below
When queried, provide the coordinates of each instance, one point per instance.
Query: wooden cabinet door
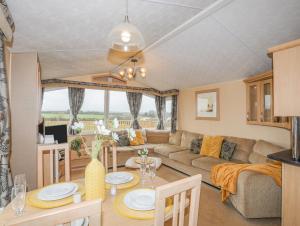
(253, 96)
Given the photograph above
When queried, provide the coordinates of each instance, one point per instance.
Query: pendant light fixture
(126, 37)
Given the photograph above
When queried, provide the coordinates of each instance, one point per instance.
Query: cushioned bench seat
(207, 163)
(166, 149)
(186, 157)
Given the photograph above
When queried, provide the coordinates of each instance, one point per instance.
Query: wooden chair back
(62, 215)
(178, 190)
(105, 155)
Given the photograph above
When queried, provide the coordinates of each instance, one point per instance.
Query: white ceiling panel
(261, 24)
(229, 42)
(204, 53)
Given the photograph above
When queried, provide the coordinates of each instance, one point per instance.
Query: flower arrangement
(143, 153)
(77, 127)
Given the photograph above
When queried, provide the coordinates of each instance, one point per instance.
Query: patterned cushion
(211, 146)
(196, 145)
(138, 140)
(187, 138)
(227, 150)
(123, 141)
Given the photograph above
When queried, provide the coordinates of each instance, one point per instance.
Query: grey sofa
(257, 196)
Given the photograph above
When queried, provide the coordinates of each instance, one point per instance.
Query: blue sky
(57, 100)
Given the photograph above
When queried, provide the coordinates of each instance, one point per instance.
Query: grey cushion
(227, 150)
(186, 157)
(196, 145)
(166, 149)
(123, 141)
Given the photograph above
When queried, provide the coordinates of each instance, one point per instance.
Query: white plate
(118, 177)
(57, 191)
(140, 199)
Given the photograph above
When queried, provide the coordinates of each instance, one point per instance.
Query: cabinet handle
(247, 116)
(261, 117)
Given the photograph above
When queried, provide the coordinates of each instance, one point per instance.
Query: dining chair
(62, 215)
(104, 157)
(178, 190)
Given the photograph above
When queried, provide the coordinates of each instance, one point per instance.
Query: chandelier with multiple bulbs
(132, 72)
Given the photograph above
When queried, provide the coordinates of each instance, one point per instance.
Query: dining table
(109, 215)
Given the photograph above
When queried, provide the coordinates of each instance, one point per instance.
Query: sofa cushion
(196, 145)
(211, 146)
(175, 138)
(260, 151)
(227, 150)
(207, 163)
(166, 149)
(243, 148)
(157, 136)
(187, 138)
(186, 157)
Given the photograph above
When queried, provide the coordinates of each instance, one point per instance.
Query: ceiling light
(132, 72)
(126, 37)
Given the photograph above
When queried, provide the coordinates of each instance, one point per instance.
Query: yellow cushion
(211, 146)
(138, 140)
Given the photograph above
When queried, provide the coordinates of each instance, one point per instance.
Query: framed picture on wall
(207, 105)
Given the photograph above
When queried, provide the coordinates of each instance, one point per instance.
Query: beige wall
(232, 115)
(24, 115)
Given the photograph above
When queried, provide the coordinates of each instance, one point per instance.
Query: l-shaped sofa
(257, 196)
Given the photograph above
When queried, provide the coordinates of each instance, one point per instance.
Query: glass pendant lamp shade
(126, 37)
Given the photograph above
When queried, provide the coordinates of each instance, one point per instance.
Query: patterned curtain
(76, 97)
(174, 114)
(160, 103)
(135, 102)
(5, 174)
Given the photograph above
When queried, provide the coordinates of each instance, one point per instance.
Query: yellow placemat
(123, 210)
(33, 200)
(134, 182)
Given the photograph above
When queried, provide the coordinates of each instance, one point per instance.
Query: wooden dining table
(110, 216)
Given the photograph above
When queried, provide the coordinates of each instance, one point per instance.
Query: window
(119, 108)
(92, 109)
(148, 116)
(168, 113)
(55, 109)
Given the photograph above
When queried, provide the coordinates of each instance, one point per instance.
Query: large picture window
(148, 116)
(56, 109)
(119, 108)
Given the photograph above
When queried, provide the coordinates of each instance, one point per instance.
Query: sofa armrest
(258, 196)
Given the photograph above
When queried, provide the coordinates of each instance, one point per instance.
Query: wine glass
(143, 168)
(152, 172)
(20, 179)
(18, 195)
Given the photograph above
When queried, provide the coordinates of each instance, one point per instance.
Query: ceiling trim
(57, 83)
(172, 4)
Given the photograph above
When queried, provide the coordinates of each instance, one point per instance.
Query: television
(59, 132)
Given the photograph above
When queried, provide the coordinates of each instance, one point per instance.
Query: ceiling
(189, 42)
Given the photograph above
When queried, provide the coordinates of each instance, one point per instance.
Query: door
(253, 94)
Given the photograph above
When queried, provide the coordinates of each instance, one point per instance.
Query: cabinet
(259, 90)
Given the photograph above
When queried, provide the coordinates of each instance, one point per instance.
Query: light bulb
(125, 36)
(122, 73)
(143, 74)
(130, 75)
(143, 70)
(130, 70)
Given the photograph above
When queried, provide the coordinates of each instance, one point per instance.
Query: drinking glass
(18, 195)
(152, 172)
(143, 168)
(20, 179)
